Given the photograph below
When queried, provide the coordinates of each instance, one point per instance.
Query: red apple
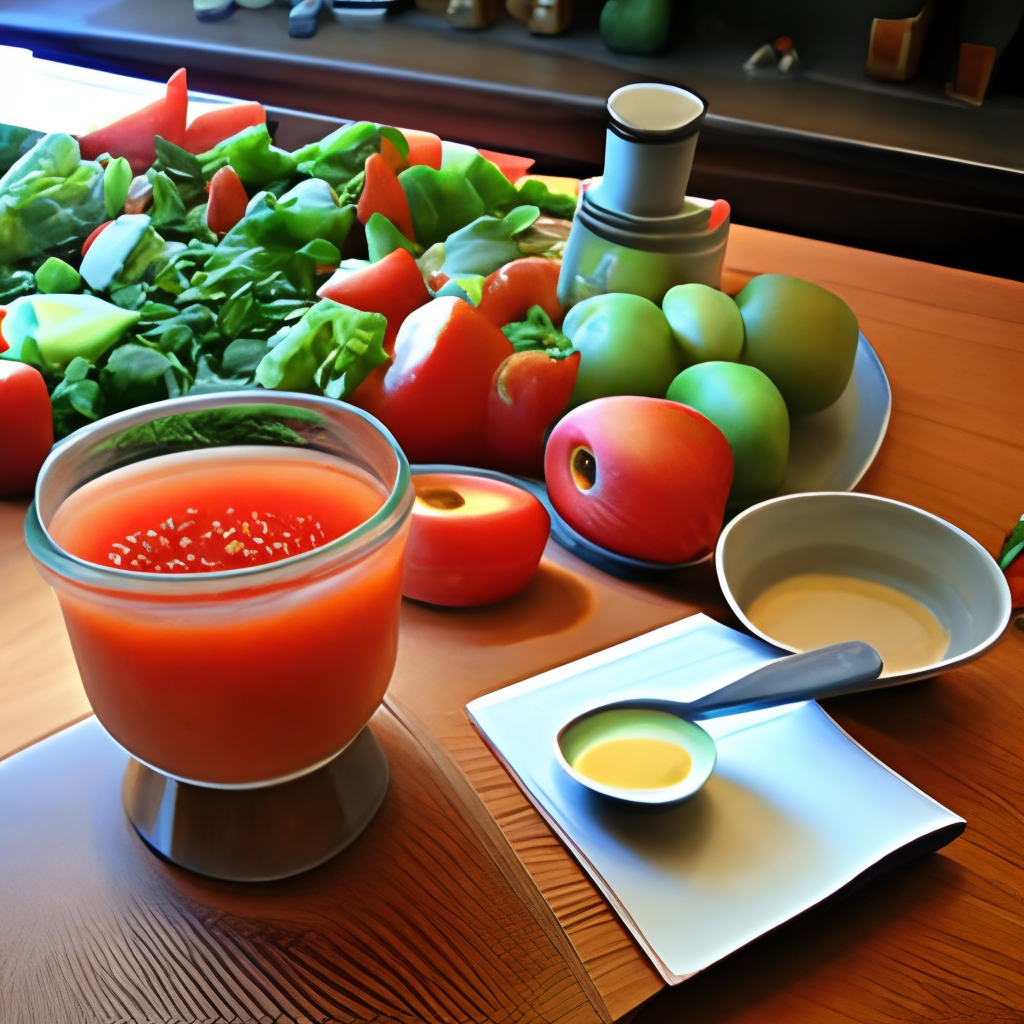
(644, 477)
(473, 540)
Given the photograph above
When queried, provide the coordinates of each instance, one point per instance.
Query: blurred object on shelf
(302, 18)
(986, 28)
(474, 13)
(635, 26)
(433, 6)
(894, 49)
(212, 10)
(973, 72)
(362, 13)
(779, 56)
(542, 17)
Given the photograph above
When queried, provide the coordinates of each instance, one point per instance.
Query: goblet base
(261, 834)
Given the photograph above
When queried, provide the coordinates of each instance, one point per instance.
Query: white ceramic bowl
(877, 539)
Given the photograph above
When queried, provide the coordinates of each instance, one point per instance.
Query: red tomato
(510, 292)
(434, 395)
(132, 136)
(1014, 574)
(436, 281)
(644, 477)
(391, 156)
(26, 426)
(529, 392)
(424, 148)
(219, 124)
(392, 286)
(472, 541)
(513, 167)
(383, 194)
(227, 202)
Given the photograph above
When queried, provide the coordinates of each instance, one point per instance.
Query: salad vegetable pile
(155, 258)
(415, 278)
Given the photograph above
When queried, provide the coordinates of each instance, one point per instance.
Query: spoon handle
(824, 672)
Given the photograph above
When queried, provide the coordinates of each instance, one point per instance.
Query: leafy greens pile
(159, 307)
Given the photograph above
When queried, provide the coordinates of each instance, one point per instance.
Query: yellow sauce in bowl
(816, 609)
(634, 762)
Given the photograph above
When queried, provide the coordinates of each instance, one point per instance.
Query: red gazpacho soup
(252, 676)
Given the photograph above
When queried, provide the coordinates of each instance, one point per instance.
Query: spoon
(652, 752)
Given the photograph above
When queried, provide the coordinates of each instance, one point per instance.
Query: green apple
(705, 322)
(802, 336)
(747, 407)
(625, 345)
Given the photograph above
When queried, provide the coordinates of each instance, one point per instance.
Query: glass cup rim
(354, 544)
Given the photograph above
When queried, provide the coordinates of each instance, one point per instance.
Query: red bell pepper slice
(511, 291)
(3, 341)
(424, 148)
(530, 390)
(513, 167)
(132, 136)
(383, 194)
(26, 424)
(391, 156)
(227, 202)
(392, 286)
(434, 395)
(219, 124)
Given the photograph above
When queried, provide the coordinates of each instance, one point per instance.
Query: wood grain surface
(938, 940)
(413, 923)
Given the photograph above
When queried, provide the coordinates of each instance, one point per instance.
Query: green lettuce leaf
(332, 349)
(487, 179)
(49, 199)
(171, 217)
(487, 243)
(440, 202)
(182, 168)
(340, 156)
(16, 141)
(383, 238)
(256, 160)
(77, 398)
(554, 204)
(271, 239)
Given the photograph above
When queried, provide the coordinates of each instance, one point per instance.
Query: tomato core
(584, 468)
(443, 498)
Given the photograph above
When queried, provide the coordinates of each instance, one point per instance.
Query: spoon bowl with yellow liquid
(654, 752)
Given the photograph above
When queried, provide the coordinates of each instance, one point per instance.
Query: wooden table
(458, 904)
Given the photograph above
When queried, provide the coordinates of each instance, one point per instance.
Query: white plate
(831, 450)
